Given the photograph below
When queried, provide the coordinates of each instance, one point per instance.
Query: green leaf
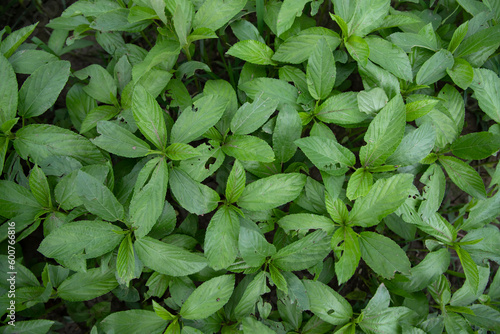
(483, 316)
(374, 76)
(100, 113)
(378, 317)
(162, 312)
(102, 86)
(371, 101)
(476, 146)
(383, 255)
(359, 184)
(189, 68)
(125, 261)
(367, 16)
(470, 268)
(149, 117)
(97, 198)
(341, 109)
(358, 49)
(8, 91)
(251, 295)
(251, 116)
(427, 271)
(489, 37)
(464, 176)
(336, 209)
(345, 244)
(278, 279)
(288, 11)
(288, 128)
(40, 141)
(252, 244)
(29, 326)
(89, 285)
(271, 192)
(456, 324)
(321, 71)
(390, 57)
(251, 325)
(384, 133)
(298, 48)
(16, 200)
(435, 182)
(326, 154)
(484, 212)
(271, 88)
(40, 91)
(221, 238)
(327, 304)
(193, 196)
(244, 30)
(133, 321)
(213, 14)
(39, 186)
(168, 259)
(191, 124)
(306, 221)
(385, 196)
(248, 148)
(235, 182)
(208, 160)
(15, 39)
(148, 201)
(252, 51)
(486, 85)
(208, 298)
(304, 253)
(461, 73)
(27, 61)
(435, 68)
(201, 33)
(419, 105)
(180, 151)
(118, 140)
(458, 36)
(340, 21)
(81, 239)
(414, 147)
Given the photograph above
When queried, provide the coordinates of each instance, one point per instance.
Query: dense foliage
(251, 166)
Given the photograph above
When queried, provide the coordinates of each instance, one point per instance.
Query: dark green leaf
(464, 176)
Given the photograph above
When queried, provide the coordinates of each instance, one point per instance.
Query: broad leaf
(367, 16)
(85, 239)
(321, 71)
(254, 52)
(345, 245)
(191, 124)
(288, 11)
(208, 298)
(275, 89)
(213, 14)
(89, 285)
(118, 140)
(235, 182)
(133, 321)
(125, 261)
(341, 109)
(303, 253)
(382, 254)
(248, 148)
(390, 57)
(168, 259)
(149, 117)
(221, 238)
(359, 184)
(306, 221)
(8, 91)
(40, 141)
(251, 116)
(288, 128)
(435, 68)
(476, 146)
(415, 146)
(486, 85)
(193, 196)
(327, 304)
(252, 244)
(385, 196)
(272, 191)
(464, 176)
(39, 186)
(358, 49)
(384, 133)
(326, 154)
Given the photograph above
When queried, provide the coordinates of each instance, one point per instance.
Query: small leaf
(39, 186)
(125, 261)
(359, 184)
(461, 73)
(345, 245)
(470, 268)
